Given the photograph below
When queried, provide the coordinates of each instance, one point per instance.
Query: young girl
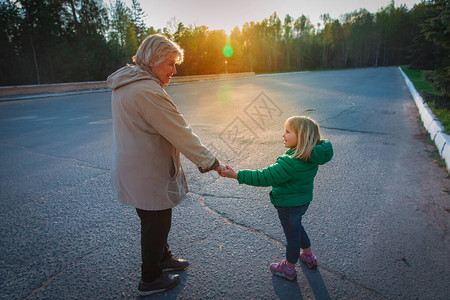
(292, 178)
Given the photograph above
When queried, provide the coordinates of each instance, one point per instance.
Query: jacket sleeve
(322, 153)
(162, 114)
(278, 173)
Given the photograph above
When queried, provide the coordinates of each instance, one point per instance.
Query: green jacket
(292, 179)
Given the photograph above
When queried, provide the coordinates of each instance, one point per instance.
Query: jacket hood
(321, 154)
(129, 74)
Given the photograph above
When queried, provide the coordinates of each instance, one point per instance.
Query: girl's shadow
(286, 289)
(291, 290)
(316, 282)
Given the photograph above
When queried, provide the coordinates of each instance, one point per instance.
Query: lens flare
(227, 51)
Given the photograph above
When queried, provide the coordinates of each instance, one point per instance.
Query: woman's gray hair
(155, 49)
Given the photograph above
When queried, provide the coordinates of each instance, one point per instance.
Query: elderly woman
(149, 134)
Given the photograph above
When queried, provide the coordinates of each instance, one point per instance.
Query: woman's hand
(220, 168)
(228, 172)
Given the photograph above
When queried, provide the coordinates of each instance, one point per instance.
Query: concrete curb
(431, 123)
(38, 91)
(51, 88)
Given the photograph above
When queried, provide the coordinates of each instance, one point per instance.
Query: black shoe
(174, 264)
(163, 283)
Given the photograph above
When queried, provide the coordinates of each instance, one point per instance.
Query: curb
(431, 123)
(46, 90)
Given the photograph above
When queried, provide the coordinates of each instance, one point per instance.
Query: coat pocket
(177, 186)
(175, 166)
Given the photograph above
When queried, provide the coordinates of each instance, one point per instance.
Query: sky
(227, 14)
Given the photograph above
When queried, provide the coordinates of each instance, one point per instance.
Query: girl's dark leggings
(296, 236)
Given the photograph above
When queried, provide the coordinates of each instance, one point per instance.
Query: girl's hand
(228, 172)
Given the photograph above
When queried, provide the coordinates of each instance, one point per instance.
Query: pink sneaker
(309, 259)
(282, 269)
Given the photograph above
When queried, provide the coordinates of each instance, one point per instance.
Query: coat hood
(129, 74)
(322, 153)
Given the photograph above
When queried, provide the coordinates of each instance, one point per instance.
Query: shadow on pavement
(285, 289)
(316, 283)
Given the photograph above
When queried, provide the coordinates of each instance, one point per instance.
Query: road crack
(71, 264)
(229, 220)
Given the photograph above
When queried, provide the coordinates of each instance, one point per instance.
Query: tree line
(51, 41)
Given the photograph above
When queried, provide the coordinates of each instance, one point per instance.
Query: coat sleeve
(162, 114)
(276, 174)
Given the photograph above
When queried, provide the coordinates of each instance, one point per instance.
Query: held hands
(228, 172)
(220, 168)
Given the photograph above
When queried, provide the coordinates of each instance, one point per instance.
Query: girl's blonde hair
(308, 135)
(155, 49)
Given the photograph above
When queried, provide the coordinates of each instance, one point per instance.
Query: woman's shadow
(291, 290)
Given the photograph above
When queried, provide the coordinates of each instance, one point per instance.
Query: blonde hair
(155, 49)
(308, 135)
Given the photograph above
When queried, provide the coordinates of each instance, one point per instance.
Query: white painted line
(100, 122)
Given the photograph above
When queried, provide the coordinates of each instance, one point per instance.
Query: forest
(55, 41)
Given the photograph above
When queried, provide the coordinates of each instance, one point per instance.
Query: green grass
(419, 83)
(443, 116)
(423, 86)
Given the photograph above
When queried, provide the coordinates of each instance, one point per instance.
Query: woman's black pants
(155, 227)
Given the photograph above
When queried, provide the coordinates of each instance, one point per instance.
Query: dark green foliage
(49, 41)
(440, 79)
(430, 49)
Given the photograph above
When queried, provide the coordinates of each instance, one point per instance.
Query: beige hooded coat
(148, 135)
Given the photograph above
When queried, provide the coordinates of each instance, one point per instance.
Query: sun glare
(227, 50)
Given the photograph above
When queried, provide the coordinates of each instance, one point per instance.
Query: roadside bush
(440, 79)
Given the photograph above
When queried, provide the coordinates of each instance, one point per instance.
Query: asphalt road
(378, 223)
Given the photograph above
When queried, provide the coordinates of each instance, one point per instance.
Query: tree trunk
(74, 13)
(35, 60)
(300, 57)
(344, 55)
(324, 56)
(377, 53)
(288, 59)
(269, 60)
